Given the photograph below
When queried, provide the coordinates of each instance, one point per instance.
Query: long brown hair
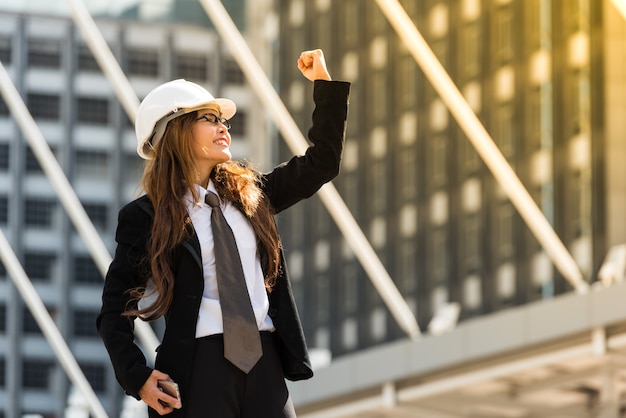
(165, 180)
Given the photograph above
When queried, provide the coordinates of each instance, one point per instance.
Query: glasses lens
(210, 117)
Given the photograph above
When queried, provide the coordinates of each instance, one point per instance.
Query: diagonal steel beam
(48, 327)
(484, 144)
(129, 100)
(297, 143)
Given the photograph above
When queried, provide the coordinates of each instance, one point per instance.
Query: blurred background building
(546, 78)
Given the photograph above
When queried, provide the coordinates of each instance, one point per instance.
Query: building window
(92, 164)
(5, 50)
(29, 324)
(232, 72)
(472, 242)
(143, 63)
(44, 53)
(44, 106)
(4, 157)
(36, 374)
(503, 34)
(85, 323)
(352, 18)
(4, 210)
(407, 189)
(2, 374)
(85, 270)
(97, 213)
(39, 212)
(470, 51)
(407, 88)
(32, 164)
(96, 376)
(504, 231)
(438, 160)
(192, 67)
(3, 319)
(4, 110)
(133, 167)
(92, 110)
(238, 123)
(439, 255)
(86, 61)
(39, 266)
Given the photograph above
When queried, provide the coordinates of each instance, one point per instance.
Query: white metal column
(480, 139)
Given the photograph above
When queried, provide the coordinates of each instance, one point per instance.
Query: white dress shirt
(210, 314)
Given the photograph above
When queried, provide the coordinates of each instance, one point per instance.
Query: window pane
(2, 373)
(29, 325)
(3, 319)
(32, 165)
(133, 168)
(44, 106)
(38, 266)
(92, 110)
(36, 374)
(4, 157)
(44, 53)
(5, 50)
(96, 375)
(238, 124)
(86, 61)
(4, 110)
(232, 72)
(85, 270)
(97, 213)
(144, 63)
(38, 212)
(85, 323)
(191, 67)
(92, 164)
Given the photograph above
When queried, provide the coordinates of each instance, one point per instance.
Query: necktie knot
(212, 200)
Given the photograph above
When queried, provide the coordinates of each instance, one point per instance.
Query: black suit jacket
(297, 179)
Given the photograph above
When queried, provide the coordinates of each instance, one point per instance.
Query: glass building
(536, 73)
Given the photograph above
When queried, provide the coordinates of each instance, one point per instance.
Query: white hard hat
(168, 101)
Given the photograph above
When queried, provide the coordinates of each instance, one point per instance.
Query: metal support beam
(337, 208)
(48, 327)
(483, 143)
(129, 100)
(65, 192)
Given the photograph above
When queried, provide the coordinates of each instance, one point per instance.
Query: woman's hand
(313, 66)
(155, 397)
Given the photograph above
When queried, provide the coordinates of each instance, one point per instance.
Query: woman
(166, 261)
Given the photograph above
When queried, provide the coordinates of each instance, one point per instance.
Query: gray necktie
(242, 342)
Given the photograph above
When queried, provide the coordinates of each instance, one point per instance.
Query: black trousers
(221, 390)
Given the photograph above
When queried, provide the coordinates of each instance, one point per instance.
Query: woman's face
(211, 139)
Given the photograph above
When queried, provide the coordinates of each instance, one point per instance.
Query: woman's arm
(302, 176)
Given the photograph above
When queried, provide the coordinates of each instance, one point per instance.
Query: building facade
(93, 140)
(542, 78)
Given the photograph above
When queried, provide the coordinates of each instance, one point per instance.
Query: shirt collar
(201, 193)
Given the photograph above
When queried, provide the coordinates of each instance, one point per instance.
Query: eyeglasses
(214, 119)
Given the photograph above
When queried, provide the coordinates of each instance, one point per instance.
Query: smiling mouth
(221, 141)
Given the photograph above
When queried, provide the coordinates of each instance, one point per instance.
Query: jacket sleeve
(302, 176)
(116, 330)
